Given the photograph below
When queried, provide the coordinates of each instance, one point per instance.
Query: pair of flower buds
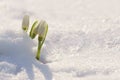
(38, 28)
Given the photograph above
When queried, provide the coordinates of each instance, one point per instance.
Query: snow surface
(83, 41)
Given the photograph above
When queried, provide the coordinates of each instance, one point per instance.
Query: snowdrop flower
(25, 23)
(42, 32)
(38, 28)
(42, 28)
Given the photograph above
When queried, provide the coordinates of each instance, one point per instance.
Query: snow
(83, 41)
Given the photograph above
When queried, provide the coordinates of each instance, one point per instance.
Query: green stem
(38, 50)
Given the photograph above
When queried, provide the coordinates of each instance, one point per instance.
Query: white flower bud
(25, 23)
(41, 28)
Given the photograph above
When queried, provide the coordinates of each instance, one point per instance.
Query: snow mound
(17, 58)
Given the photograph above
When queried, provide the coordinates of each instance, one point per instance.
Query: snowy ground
(83, 41)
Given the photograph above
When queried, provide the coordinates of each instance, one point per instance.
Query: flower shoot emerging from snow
(42, 32)
(38, 28)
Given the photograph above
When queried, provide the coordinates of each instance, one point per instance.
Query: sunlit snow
(83, 40)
